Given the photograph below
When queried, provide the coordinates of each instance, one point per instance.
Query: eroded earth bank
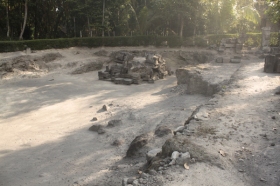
(214, 121)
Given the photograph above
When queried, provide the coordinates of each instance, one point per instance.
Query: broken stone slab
(139, 142)
(151, 154)
(114, 123)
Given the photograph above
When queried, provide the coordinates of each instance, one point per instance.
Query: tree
(25, 19)
(273, 10)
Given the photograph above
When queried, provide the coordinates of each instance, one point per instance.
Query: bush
(10, 46)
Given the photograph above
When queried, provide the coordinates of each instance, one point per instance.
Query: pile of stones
(127, 70)
(231, 43)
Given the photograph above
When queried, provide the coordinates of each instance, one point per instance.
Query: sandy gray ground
(45, 119)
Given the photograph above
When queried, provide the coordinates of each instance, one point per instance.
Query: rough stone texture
(95, 128)
(114, 123)
(163, 131)
(138, 143)
(88, 66)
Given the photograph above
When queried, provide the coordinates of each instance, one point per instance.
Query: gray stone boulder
(163, 131)
(114, 123)
(95, 128)
(138, 143)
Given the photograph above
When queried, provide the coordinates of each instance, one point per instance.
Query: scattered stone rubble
(129, 70)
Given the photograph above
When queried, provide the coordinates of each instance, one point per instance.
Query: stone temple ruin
(128, 69)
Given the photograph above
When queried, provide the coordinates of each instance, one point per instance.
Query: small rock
(163, 131)
(124, 181)
(114, 123)
(173, 162)
(184, 158)
(152, 172)
(141, 180)
(130, 181)
(273, 117)
(262, 179)
(144, 175)
(105, 108)
(138, 143)
(179, 129)
(101, 131)
(272, 144)
(160, 168)
(175, 155)
(135, 183)
(95, 128)
(94, 119)
(152, 153)
(118, 142)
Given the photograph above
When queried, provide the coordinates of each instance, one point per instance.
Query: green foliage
(10, 46)
(273, 10)
(216, 39)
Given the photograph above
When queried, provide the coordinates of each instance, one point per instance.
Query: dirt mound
(51, 57)
(22, 63)
(88, 66)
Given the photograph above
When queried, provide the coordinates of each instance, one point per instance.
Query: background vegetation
(199, 20)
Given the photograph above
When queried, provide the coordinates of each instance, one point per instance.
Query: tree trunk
(25, 19)
(8, 22)
(181, 27)
(103, 18)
